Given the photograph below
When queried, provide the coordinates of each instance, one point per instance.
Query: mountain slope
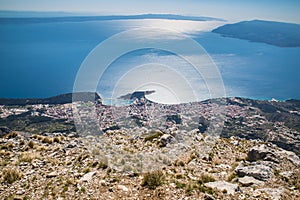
(5, 20)
(269, 32)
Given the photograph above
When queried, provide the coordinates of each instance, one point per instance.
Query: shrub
(86, 170)
(153, 135)
(31, 144)
(295, 180)
(153, 179)
(103, 163)
(22, 142)
(47, 140)
(8, 145)
(57, 139)
(210, 156)
(179, 184)
(11, 175)
(179, 163)
(11, 135)
(205, 178)
(82, 157)
(206, 190)
(4, 153)
(232, 176)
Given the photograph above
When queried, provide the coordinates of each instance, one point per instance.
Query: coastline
(67, 98)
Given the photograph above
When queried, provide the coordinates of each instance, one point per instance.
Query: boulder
(223, 186)
(262, 152)
(71, 145)
(248, 181)
(258, 171)
(291, 156)
(123, 188)
(266, 153)
(165, 139)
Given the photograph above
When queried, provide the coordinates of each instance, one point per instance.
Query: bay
(42, 59)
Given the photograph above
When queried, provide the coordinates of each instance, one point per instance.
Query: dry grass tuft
(11, 135)
(8, 145)
(57, 139)
(28, 157)
(11, 175)
(31, 144)
(48, 140)
(205, 178)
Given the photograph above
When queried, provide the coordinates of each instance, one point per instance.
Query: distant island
(4, 20)
(136, 95)
(274, 33)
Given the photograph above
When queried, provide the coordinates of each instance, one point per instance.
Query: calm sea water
(42, 59)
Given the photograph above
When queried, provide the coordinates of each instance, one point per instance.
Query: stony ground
(60, 166)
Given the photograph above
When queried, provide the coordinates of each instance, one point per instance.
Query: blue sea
(42, 59)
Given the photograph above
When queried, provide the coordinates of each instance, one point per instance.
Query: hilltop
(269, 32)
(59, 99)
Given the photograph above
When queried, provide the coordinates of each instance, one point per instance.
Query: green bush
(153, 135)
(153, 179)
(205, 178)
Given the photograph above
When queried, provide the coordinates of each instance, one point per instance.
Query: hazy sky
(234, 10)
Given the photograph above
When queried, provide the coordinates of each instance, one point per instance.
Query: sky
(231, 10)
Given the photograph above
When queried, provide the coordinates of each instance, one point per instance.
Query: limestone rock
(261, 152)
(165, 139)
(266, 153)
(123, 187)
(258, 171)
(223, 185)
(272, 193)
(52, 174)
(87, 177)
(248, 181)
(71, 145)
(291, 156)
(286, 174)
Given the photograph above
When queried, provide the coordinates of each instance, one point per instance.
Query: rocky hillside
(62, 166)
(231, 148)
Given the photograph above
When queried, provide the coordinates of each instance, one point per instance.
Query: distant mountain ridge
(59, 99)
(5, 20)
(274, 33)
(88, 96)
